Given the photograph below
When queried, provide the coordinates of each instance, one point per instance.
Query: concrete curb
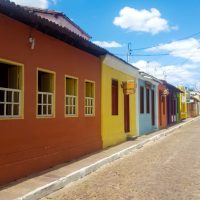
(60, 183)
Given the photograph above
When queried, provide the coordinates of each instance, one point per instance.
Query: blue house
(147, 103)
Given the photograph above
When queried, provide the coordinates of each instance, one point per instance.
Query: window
(45, 93)
(141, 99)
(11, 85)
(71, 96)
(89, 98)
(147, 101)
(114, 97)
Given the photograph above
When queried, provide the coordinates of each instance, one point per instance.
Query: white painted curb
(60, 183)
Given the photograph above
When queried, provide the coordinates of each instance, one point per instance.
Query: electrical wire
(186, 37)
(145, 55)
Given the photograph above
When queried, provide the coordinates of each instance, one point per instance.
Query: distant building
(193, 104)
(162, 105)
(183, 102)
(173, 104)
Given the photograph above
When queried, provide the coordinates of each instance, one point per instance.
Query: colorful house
(147, 103)
(61, 96)
(118, 100)
(173, 102)
(162, 105)
(50, 92)
(183, 103)
(193, 105)
(196, 94)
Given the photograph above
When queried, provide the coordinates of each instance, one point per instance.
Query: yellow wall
(112, 126)
(183, 105)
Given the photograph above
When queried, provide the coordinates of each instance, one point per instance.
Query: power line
(186, 37)
(145, 55)
(162, 54)
(165, 54)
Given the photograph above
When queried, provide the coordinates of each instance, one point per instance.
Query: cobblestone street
(168, 169)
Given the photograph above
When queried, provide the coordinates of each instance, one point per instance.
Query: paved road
(168, 169)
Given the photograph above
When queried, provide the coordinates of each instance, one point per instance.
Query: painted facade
(120, 122)
(147, 105)
(62, 97)
(193, 106)
(162, 106)
(49, 100)
(183, 103)
(173, 102)
(196, 94)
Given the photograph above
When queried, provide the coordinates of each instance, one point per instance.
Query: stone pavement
(42, 184)
(168, 169)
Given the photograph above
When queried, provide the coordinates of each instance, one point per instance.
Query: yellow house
(183, 103)
(118, 100)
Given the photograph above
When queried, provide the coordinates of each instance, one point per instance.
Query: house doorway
(126, 114)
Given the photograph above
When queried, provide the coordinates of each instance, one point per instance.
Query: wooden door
(126, 114)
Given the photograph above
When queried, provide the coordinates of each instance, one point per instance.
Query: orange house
(49, 94)
(162, 107)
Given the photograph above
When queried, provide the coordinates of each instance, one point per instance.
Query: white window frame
(89, 107)
(51, 94)
(12, 102)
(47, 104)
(71, 101)
(20, 91)
(71, 104)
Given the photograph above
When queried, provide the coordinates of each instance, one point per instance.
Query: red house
(49, 94)
(162, 105)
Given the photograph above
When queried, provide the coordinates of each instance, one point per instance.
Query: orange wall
(162, 117)
(29, 145)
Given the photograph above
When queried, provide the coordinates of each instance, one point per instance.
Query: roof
(111, 54)
(196, 98)
(120, 65)
(45, 26)
(146, 75)
(171, 87)
(182, 88)
(56, 14)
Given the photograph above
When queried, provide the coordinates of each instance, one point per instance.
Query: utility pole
(165, 75)
(129, 53)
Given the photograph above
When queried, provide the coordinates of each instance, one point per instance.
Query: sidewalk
(40, 185)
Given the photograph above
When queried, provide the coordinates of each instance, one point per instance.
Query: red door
(126, 114)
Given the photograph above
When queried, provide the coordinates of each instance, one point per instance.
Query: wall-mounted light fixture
(165, 92)
(32, 42)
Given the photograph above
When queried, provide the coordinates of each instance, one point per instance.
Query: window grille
(45, 103)
(71, 102)
(10, 101)
(89, 105)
